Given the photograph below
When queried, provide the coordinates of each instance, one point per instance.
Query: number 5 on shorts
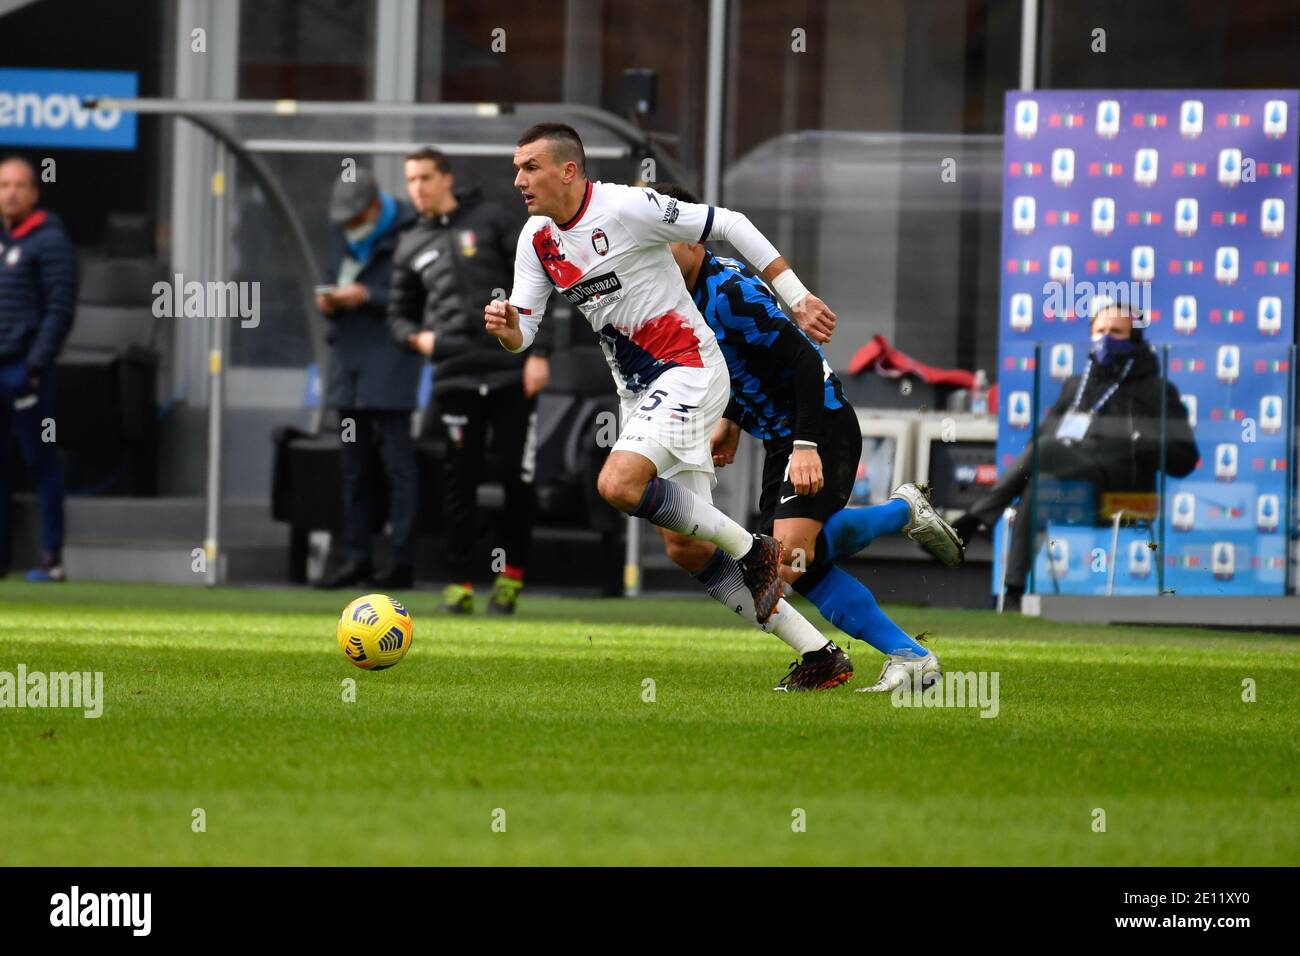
(657, 396)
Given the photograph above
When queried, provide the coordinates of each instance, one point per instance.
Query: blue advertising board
(1186, 201)
(45, 108)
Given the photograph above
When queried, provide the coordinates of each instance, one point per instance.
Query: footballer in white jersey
(613, 264)
(605, 248)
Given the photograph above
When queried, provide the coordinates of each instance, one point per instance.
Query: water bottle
(979, 396)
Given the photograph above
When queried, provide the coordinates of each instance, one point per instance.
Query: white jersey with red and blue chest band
(612, 262)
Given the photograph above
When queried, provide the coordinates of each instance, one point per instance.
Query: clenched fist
(724, 441)
(501, 319)
(815, 318)
(806, 471)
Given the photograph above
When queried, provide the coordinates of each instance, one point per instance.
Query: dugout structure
(258, 216)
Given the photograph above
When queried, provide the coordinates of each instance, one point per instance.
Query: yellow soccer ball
(375, 632)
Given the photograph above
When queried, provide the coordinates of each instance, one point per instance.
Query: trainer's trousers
(469, 417)
(391, 429)
(29, 416)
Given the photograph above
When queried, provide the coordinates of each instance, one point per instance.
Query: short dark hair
(436, 156)
(21, 161)
(677, 191)
(566, 144)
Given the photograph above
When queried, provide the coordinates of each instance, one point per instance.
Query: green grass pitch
(231, 701)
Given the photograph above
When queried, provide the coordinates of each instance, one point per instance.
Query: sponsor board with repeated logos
(1191, 194)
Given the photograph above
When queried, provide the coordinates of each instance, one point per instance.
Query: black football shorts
(840, 450)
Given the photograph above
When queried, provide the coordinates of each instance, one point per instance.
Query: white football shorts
(672, 422)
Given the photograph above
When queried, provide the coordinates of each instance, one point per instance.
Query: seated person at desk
(1104, 429)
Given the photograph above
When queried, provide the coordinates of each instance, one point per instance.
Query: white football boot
(903, 670)
(928, 529)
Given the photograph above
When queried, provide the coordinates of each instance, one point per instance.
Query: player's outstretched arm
(653, 217)
(813, 315)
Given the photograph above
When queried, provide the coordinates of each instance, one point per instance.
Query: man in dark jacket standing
(371, 381)
(38, 292)
(460, 254)
(1104, 429)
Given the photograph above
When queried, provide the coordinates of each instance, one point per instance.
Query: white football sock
(668, 505)
(725, 582)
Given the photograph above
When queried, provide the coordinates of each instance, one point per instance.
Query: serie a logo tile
(1225, 462)
(1184, 511)
(1185, 314)
(1143, 263)
(1063, 166)
(1267, 511)
(1060, 263)
(1270, 314)
(1061, 364)
(1018, 410)
(1108, 118)
(1226, 265)
(1103, 215)
(1146, 167)
(1223, 560)
(1026, 119)
(1023, 215)
(1270, 414)
(1191, 119)
(1229, 166)
(1139, 560)
(1022, 312)
(1189, 402)
(1227, 363)
(1272, 217)
(1186, 217)
(1275, 119)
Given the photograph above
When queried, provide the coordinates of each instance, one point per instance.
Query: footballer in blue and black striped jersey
(770, 359)
(784, 392)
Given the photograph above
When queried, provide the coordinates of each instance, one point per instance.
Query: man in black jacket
(372, 382)
(38, 292)
(459, 254)
(1104, 429)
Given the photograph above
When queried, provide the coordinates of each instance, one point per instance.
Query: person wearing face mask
(1104, 429)
(371, 381)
